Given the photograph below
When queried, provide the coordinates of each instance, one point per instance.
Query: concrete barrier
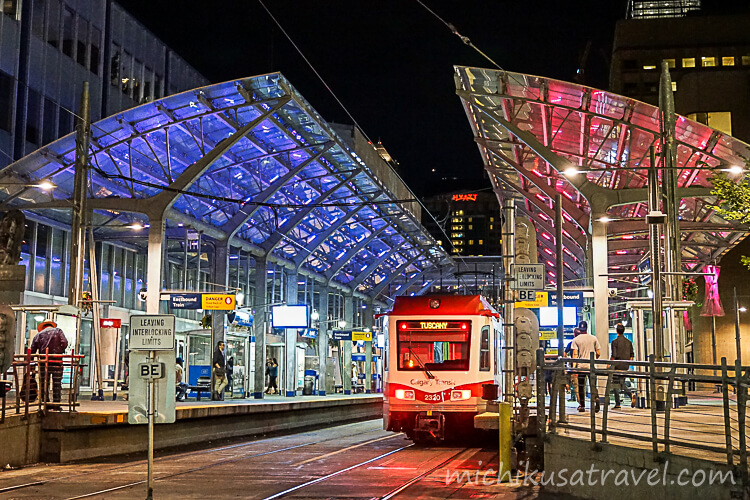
(65, 437)
(624, 473)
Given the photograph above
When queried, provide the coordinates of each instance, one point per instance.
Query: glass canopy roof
(516, 118)
(249, 160)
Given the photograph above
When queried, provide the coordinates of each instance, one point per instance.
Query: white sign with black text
(150, 332)
(528, 277)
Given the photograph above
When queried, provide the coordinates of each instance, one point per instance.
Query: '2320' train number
(434, 397)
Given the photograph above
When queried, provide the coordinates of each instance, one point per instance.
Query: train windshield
(433, 345)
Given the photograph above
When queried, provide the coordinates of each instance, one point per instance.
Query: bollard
(506, 436)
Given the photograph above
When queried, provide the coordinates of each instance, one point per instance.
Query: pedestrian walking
(230, 375)
(219, 372)
(583, 345)
(50, 340)
(622, 351)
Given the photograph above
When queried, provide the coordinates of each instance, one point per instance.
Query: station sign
(163, 387)
(359, 336)
(531, 299)
(528, 277)
(185, 301)
(205, 301)
(570, 299)
(150, 332)
(308, 333)
(341, 335)
(110, 323)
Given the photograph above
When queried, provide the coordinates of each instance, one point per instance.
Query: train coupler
(430, 425)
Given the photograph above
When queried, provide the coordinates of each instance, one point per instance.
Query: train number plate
(433, 398)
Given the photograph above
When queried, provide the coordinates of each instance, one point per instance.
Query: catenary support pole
(259, 325)
(560, 273)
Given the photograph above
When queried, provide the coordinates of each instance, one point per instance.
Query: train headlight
(405, 394)
(460, 395)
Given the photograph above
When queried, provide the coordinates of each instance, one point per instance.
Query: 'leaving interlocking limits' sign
(528, 277)
(152, 332)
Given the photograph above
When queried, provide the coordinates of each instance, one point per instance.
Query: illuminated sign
(433, 325)
(464, 197)
(110, 323)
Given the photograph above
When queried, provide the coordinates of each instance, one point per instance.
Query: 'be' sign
(151, 370)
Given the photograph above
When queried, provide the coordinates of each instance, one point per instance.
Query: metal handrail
(660, 378)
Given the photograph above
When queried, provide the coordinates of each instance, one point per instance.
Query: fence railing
(41, 382)
(677, 407)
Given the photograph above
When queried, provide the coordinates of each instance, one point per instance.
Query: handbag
(220, 372)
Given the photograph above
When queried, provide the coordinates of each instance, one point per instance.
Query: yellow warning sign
(366, 336)
(217, 302)
(547, 334)
(540, 301)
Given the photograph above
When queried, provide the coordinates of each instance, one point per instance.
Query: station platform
(100, 428)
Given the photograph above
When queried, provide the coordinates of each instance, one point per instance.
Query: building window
(671, 63)
(40, 259)
(69, 32)
(708, 62)
(688, 62)
(82, 45)
(727, 61)
(33, 107)
(481, 242)
(649, 67)
(492, 219)
(6, 98)
(95, 50)
(674, 86)
(746, 60)
(49, 133)
(491, 227)
(471, 226)
(719, 120)
(10, 8)
(37, 19)
(114, 66)
(53, 23)
(629, 64)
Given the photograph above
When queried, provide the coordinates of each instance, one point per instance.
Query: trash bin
(307, 389)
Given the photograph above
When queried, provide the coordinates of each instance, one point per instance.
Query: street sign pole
(150, 411)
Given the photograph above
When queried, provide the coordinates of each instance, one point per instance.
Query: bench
(203, 384)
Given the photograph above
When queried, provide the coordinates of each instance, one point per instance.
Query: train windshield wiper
(421, 365)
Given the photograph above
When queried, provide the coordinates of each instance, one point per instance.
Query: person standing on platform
(230, 375)
(273, 375)
(622, 350)
(583, 345)
(50, 340)
(220, 372)
(181, 388)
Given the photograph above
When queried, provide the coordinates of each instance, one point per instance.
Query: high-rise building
(661, 8)
(709, 61)
(48, 48)
(471, 222)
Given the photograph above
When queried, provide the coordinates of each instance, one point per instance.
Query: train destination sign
(528, 277)
(149, 332)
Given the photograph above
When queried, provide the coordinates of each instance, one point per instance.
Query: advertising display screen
(548, 316)
(290, 316)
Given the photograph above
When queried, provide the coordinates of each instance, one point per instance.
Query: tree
(732, 202)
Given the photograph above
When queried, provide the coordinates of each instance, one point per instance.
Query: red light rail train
(439, 351)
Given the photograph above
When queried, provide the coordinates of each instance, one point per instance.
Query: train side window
(484, 350)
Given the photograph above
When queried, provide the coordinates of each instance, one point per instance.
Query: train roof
(442, 305)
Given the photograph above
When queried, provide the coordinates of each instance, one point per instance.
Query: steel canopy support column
(259, 325)
(322, 340)
(369, 323)
(346, 345)
(218, 331)
(154, 265)
(509, 256)
(598, 258)
(290, 338)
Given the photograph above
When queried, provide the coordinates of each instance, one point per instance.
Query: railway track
(347, 458)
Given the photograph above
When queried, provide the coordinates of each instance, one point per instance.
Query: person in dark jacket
(230, 374)
(50, 340)
(622, 350)
(219, 372)
(273, 374)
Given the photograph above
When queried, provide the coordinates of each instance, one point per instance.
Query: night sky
(390, 61)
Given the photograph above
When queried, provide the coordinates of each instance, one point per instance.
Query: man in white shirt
(582, 346)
